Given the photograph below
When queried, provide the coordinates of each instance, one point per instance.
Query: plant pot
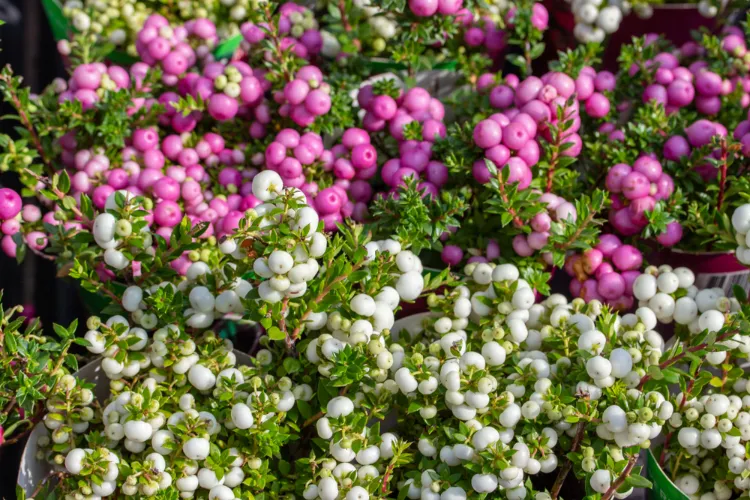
(675, 22)
(712, 269)
(663, 487)
(411, 324)
(32, 471)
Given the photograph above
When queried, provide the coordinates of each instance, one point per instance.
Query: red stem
(684, 353)
(722, 174)
(621, 479)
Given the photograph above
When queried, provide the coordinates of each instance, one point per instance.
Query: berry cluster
(397, 112)
(169, 48)
(741, 226)
(676, 85)
(606, 272)
(635, 191)
(88, 81)
(297, 28)
(596, 20)
(305, 97)
(671, 295)
(557, 210)
(530, 110)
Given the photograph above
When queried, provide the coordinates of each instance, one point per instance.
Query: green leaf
(274, 333)
(637, 481)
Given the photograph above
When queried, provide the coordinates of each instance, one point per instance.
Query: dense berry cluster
(635, 191)
(606, 272)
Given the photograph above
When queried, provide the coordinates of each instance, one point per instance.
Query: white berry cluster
(669, 295)
(710, 9)
(288, 264)
(124, 234)
(487, 365)
(596, 19)
(114, 20)
(195, 424)
(69, 413)
(711, 432)
(212, 291)
(741, 226)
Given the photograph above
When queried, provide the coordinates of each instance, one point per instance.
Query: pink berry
(611, 286)
(10, 203)
(672, 235)
(515, 136)
(597, 106)
(635, 185)
(627, 258)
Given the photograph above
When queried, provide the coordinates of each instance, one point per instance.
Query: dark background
(27, 45)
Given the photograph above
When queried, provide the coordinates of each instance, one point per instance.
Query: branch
(574, 236)
(621, 479)
(58, 193)
(58, 475)
(517, 222)
(568, 464)
(16, 102)
(684, 353)
(722, 175)
(290, 339)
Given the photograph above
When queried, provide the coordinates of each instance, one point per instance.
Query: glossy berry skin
(10, 204)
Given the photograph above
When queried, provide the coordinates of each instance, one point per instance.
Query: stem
(313, 419)
(19, 437)
(676, 466)
(574, 237)
(621, 479)
(386, 477)
(344, 19)
(323, 293)
(555, 492)
(58, 193)
(527, 57)
(722, 175)
(16, 102)
(663, 456)
(44, 481)
(517, 222)
(684, 353)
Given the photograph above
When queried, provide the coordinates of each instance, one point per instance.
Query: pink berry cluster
(452, 255)
(591, 86)
(392, 115)
(414, 105)
(227, 89)
(355, 165)
(88, 81)
(635, 190)
(605, 272)
(159, 44)
(557, 210)
(698, 135)
(427, 8)
(483, 33)
(678, 83)
(305, 97)
(513, 136)
(415, 162)
(13, 213)
(297, 28)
